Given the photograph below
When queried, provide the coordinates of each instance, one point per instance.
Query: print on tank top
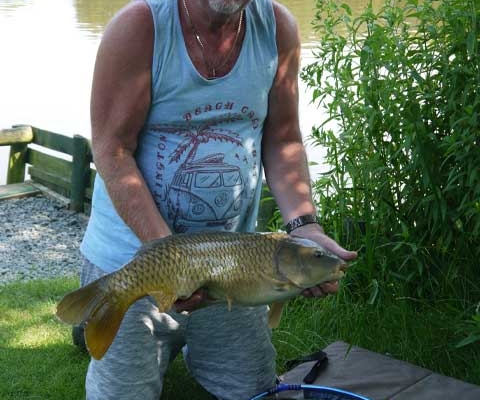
(212, 168)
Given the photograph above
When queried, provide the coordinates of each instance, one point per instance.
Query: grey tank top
(200, 148)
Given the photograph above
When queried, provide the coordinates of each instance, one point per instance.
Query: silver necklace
(203, 43)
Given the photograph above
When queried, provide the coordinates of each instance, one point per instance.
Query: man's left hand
(315, 232)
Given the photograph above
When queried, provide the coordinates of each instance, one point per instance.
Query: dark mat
(380, 377)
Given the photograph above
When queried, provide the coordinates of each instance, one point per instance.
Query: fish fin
(164, 299)
(102, 312)
(102, 327)
(77, 306)
(282, 286)
(275, 314)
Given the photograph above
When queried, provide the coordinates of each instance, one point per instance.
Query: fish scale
(245, 269)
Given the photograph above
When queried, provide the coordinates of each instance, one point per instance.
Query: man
(189, 99)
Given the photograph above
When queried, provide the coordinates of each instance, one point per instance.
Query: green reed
(401, 89)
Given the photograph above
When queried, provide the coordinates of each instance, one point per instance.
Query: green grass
(39, 361)
(412, 330)
(37, 356)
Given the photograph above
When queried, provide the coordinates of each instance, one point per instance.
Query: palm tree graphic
(194, 136)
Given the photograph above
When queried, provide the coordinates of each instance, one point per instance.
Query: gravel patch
(39, 238)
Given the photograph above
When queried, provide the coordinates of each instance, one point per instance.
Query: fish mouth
(338, 272)
(342, 268)
(337, 275)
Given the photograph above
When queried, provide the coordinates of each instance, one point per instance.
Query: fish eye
(319, 253)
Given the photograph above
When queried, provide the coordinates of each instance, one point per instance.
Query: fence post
(16, 163)
(18, 139)
(80, 170)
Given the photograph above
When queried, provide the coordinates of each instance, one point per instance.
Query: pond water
(47, 51)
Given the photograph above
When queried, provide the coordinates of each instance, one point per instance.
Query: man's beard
(225, 6)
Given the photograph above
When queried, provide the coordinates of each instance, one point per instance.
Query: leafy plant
(401, 89)
(471, 329)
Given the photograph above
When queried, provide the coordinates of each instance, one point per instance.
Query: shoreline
(39, 239)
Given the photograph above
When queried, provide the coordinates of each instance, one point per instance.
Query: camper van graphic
(207, 192)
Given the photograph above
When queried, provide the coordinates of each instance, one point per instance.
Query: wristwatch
(301, 221)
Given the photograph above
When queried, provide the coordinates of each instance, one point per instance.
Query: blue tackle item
(309, 392)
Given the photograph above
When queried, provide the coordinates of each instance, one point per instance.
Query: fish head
(306, 264)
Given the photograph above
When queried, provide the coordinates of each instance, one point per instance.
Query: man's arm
(119, 105)
(120, 102)
(283, 152)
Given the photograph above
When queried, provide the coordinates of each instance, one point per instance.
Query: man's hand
(195, 301)
(315, 232)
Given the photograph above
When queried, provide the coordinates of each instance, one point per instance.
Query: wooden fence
(63, 164)
(58, 162)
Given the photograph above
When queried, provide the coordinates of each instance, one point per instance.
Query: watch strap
(301, 221)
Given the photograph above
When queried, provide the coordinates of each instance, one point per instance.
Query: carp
(246, 269)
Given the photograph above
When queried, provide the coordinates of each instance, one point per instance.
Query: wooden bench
(17, 190)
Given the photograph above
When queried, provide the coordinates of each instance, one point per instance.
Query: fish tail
(102, 312)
